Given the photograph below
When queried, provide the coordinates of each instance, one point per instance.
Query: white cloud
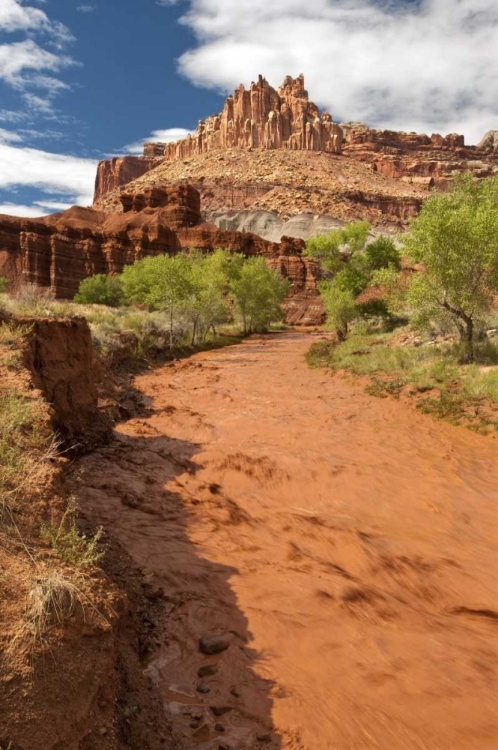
(17, 209)
(9, 115)
(86, 8)
(53, 205)
(426, 66)
(18, 57)
(7, 136)
(59, 174)
(17, 17)
(169, 135)
(25, 64)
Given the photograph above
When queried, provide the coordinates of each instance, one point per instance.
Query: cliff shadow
(138, 487)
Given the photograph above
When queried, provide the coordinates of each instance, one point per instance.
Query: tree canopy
(455, 241)
(349, 261)
(198, 290)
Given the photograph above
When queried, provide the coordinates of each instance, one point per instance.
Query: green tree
(4, 283)
(100, 290)
(345, 256)
(208, 305)
(455, 238)
(163, 282)
(340, 308)
(338, 246)
(258, 292)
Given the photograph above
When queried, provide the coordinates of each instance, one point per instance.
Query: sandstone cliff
(260, 154)
(59, 251)
(419, 159)
(262, 117)
(112, 173)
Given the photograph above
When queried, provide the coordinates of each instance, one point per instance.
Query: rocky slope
(272, 150)
(59, 251)
(287, 183)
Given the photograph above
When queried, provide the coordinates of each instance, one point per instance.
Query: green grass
(19, 436)
(429, 373)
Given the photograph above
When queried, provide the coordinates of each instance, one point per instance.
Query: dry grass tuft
(51, 601)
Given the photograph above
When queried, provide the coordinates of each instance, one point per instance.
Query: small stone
(203, 688)
(207, 670)
(202, 734)
(220, 710)
(194, 723)
(264, 737)
(224, 747)
(103, 731)
(214, 644)
(235, 692)
(219, 727)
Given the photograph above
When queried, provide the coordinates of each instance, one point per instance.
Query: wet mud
(345, 546)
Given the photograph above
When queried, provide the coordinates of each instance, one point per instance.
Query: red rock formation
(61, 250)
(417, 158)
(181, 204)
(113, 173)
(262, 118)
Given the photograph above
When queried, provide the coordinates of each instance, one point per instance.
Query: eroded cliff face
(419, 159)
(273, 135)
(59, 354)
(59, 251)
(263, 118)
(112, 173)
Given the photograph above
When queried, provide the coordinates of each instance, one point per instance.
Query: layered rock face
(59, 251)
(419, 159)
(262, 117)
(113, 173)
(260, 153)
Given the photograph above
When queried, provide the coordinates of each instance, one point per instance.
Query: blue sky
(82, 79)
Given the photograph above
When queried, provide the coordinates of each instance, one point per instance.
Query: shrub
(73, 548)
(51, 600)
(100, 290)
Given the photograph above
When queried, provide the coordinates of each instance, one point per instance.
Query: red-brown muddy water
(347, 544)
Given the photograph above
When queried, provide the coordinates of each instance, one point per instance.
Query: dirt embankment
(71, 639)
(345, 545)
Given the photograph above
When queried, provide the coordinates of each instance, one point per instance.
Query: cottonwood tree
(349, 263)
(208, 305)
(340, 308)
(163, 282)
(455, 239)
(258, 292)
(100, 290)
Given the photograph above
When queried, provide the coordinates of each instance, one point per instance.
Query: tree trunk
(194, 331)
(468, 341)
(342, 333)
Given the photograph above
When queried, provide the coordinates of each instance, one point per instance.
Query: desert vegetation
(167, 302)
(427, 324)
(42, 553)
(196, 292)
